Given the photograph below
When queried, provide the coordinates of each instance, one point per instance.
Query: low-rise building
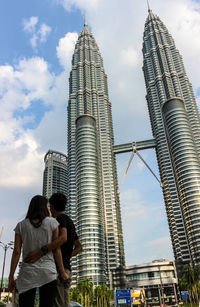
(158, 279)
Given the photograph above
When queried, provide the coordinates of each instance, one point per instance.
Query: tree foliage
(190, 281)
(89, 296)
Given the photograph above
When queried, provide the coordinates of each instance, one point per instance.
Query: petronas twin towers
(93, 201)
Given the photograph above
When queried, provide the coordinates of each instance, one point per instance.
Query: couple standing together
(42, 239)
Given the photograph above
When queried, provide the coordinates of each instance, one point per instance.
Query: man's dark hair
(58, 201)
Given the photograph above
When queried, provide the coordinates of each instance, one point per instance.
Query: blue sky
(37, 41)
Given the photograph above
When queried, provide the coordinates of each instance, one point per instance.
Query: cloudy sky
(37, 40)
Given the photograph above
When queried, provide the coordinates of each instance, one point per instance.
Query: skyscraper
(175, 124)
(93, 201)
(55, 173)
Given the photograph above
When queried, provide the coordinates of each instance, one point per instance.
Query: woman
(36, 231)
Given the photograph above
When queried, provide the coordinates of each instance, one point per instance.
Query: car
(75, 304)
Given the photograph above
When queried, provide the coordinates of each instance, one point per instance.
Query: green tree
(97, 293)
(103, 296)
(88, 296)
(83, 293)
(80, 287)
(191, 281)
(74, 294)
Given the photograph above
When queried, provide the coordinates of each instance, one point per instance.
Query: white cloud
(65, 49)
(52, 133)
(129, 57)
(34, 77)
(20, 162)
(21, 86)
(30, 83)
(43, 32)
(30, 24)
(33, 40)
(70, 4)
(185, 29)
(38, 33)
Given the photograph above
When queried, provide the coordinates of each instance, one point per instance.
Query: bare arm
(60, 240)
(37, 254)
(58, 257)
(77, 247)
(14, 262)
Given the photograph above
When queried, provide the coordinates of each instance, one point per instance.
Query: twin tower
(89, 177)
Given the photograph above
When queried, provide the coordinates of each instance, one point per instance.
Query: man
(68, 241)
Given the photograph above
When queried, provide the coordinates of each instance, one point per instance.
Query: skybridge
(134, 146)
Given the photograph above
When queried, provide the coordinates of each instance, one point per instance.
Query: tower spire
(85, 21)
(148, 6)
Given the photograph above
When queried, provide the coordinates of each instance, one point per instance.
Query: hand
(33, 256)
(11, 284)
(64, 276)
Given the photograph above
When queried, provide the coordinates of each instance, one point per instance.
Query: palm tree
(97, 293)
(191, 281)
(74, 294)
(85, 292)
(110, 296)
(88, 296)
(80, 287)
(104, 294)
(88, 292)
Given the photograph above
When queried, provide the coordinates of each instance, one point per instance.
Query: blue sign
(184, 294)
(123, 297)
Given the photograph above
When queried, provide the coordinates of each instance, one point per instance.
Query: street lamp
(5, 247)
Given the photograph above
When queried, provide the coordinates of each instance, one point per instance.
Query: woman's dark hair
(37, 210)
